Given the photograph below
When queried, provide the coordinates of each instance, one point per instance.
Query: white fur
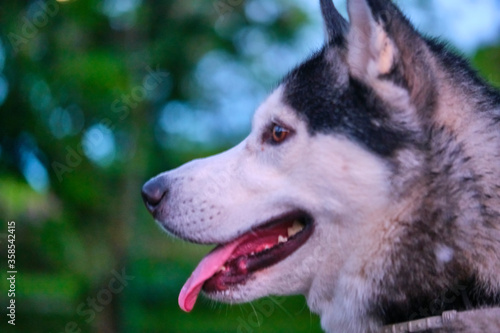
(444, 254)
(344, 188)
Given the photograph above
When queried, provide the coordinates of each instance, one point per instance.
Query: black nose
(153, 192)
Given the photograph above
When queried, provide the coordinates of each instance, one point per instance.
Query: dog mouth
(233, 263)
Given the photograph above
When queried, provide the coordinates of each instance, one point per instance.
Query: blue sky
(231, 90)
(468, 24)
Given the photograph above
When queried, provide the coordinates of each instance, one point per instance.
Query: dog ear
(385, 51)
(335, 25)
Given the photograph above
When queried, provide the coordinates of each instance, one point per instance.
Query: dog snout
(153, 193)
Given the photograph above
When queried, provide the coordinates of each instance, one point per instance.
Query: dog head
(331, 151)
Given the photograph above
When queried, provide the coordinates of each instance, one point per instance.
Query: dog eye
(279, 134)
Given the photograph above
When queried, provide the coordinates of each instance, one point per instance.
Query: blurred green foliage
(77, 64)
(69, 67)
(487, 61)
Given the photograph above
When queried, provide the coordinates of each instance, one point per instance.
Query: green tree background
(91, 93)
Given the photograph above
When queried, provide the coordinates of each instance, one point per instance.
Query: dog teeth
(282, 239)
(295, 229)
(222, 269)
(242, 266)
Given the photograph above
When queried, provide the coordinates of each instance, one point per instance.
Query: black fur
(460, 295)
(349, 109)
(336, 25)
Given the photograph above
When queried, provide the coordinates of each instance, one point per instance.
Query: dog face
(279, 175)
(300, 202)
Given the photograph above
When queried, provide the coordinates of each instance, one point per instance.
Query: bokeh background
(97, 96)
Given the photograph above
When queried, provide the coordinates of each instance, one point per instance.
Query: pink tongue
(205, 270)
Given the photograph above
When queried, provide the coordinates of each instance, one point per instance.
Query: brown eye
(279, 134)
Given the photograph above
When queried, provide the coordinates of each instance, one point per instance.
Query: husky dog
(370, 183)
